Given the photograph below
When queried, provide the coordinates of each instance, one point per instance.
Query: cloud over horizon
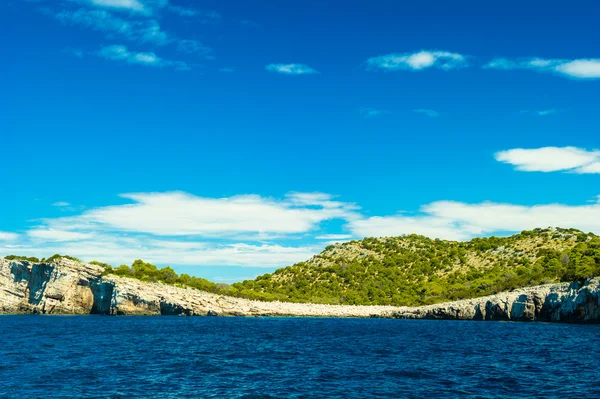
(183, 229)
(250, 230)
(460, 221)
(552, 159)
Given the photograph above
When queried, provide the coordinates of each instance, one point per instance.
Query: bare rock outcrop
(68, 287)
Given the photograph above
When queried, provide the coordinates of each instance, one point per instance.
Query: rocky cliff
(68, 287)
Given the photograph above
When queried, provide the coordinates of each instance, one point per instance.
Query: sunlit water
(178, 357)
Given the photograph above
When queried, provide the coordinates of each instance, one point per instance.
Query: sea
(278, 357)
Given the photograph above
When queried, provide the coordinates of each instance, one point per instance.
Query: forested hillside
(415, 270)
(408, 270)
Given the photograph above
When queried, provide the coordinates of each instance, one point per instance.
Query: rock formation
(68, 287)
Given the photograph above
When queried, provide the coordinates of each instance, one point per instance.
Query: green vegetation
(415, 270)
(147, 272)
(34, 259)
(408, 270)
(57, 257)
(27, 258)
(143, 271)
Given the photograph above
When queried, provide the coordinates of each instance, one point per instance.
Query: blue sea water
(213, 357)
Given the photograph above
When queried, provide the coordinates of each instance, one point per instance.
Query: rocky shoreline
(68, 287)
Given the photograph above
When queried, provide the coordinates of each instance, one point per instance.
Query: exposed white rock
(67, 287)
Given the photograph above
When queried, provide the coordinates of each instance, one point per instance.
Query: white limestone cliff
(68, 287)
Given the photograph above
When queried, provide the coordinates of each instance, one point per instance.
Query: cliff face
(573, 303)
(67, 287)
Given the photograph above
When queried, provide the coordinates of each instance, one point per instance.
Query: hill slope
(415, 270)
(68, 286)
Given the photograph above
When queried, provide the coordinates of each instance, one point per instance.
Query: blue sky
(228, 138)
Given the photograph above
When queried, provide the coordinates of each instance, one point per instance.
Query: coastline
(70, 288)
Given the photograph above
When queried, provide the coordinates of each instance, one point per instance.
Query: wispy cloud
(427, 112)
(143, 31)
(541, 112)
(121, 53)
(418, 61)
(61, 204)
(227, 69)
(334, 237)
(139, 23)
(545, 112)
(183, 229)
(119, 249)
(181, 214)
(58, 235)
(581, 68)
(572, 68)
(194, 47)
(133, 6)
(291, 69)
(552, 159)
(460, 221)
(5, 236)
(201, 15)
(372, 112)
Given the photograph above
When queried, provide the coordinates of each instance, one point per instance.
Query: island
(416, 277)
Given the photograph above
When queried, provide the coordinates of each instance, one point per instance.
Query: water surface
(179, 357)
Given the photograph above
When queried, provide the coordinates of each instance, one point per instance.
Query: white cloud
(418, 61)
(334, 237)
(552, 159)
(182, 214)
(135, 6)
(591, 168)
(123, 249)
(181, 229)
(489, 217)
(143, 31)
(5, 236)
(545, 112)
(372, 112)
(121, 53)
(389, 226)
(227, 69)
(582, 69)
(460, 221)
(204, 16)
(144, 7)
(183, 11)
(542, 112)
(324, 200)
(58, 235)
(61, 204)
(577, 68)
(501, 63)
(429, 112)
(135, 28)
(291, 69)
